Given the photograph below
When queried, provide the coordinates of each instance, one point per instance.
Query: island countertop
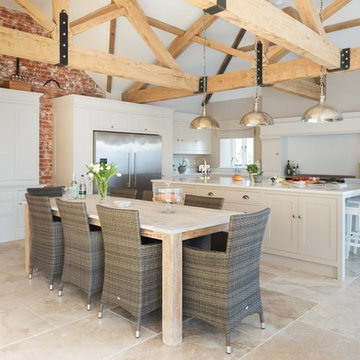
(245, 184)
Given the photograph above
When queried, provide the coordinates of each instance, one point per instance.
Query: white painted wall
(325, 154)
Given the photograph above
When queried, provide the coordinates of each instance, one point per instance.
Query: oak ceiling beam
(342, 25)
(267, 21)
(285, 71)
(33, 47)
(37, 14)
(200, 40)
(310, 16)
(333, 8)
(137, 18)
(111, 51)
(97, 17)
(182, 42)
(302, 87)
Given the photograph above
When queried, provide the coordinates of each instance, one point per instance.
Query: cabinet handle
(210, 193)
(245, 197)
(299, 217)
(294, 216)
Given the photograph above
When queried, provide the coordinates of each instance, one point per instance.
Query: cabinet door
(271, 160)
(281, 229)
(317, 227)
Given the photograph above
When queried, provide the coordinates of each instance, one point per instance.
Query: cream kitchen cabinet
(19, 151)
(271, 157)
(301, 226)
(76, 117)
(189, 141)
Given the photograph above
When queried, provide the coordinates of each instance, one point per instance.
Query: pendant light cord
(204, 58)
(322, 85)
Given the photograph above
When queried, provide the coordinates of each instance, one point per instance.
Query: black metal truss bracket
(344, 61)
(63, 38)
(202, 84)
(259, 65)
(220, 6)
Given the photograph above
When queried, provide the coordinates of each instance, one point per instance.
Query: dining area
(144, 262)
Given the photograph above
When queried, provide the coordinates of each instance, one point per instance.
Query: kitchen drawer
(246, 208)
(235, 196)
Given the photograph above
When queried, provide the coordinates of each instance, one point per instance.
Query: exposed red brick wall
(70, 80)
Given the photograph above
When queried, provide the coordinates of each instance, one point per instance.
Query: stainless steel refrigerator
(138, 157)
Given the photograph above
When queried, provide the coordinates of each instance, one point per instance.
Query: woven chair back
(246, 232)
(120, 228)
(123, 192)
(147, 195)
(204, 201)
(39, 210)
(52, 191)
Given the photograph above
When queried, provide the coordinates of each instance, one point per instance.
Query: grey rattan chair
(147, 195)
(132, 264)
(84, 250)
(123, 192)
(47, 248)
(204, 201)
(51, 191)
(222, 288)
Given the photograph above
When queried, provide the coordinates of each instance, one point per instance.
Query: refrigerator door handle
(129, 180)
(135, 169)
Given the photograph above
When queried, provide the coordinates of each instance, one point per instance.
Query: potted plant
(182, 167)
(254, 173)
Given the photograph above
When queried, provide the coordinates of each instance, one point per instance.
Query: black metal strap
(202, 84)
(259, 65)
(63, 38)
(344, 61)
(220, 6)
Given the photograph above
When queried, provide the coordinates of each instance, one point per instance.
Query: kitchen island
(306, 228)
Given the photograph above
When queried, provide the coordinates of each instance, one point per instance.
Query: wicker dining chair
(51, 191)
(84, 250)
(204, 201)
(47, 247)
(132, 264)
(222, 287)
(147, 195)
(205, 242)
(123, 192)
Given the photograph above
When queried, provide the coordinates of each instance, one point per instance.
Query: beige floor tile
(88, 338)
(305, 285)
(339, 313)
(65, 309)
(305, 342)
(18, 323)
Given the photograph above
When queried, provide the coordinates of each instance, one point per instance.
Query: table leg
(172, 289)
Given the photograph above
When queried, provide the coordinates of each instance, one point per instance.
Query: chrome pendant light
(321, 112)
(257, 117)
(204, 121)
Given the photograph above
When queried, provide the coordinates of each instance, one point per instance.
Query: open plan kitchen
(180, 179)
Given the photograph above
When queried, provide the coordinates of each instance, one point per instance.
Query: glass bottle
(74, 188)
(297, 169)
(82, 188)
(288, 168)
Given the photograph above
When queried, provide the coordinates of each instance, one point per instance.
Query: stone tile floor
(308, 317)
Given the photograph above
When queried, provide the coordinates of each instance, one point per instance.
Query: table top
(153, 215)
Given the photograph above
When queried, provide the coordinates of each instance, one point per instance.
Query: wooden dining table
(170, 225)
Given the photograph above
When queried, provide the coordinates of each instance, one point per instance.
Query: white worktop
(221, 181)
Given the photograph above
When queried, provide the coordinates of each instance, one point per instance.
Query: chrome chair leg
(51, 287)
(228, 343)
(262, 320)
(100, 313)
(88, 307)
(31, 269)
(61, 288)
(137, 332)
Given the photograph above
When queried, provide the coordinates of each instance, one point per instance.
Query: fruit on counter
(168, 197)
(237, 177)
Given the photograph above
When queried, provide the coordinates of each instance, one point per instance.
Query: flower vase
(102, 189)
